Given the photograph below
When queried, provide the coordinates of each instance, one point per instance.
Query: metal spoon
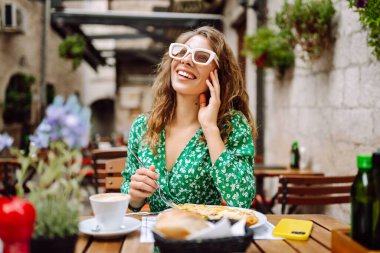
(96, 229)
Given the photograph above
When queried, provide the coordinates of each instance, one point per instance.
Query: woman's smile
(185, 74)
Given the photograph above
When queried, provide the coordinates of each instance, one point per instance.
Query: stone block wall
(21, 52)
(331, 106)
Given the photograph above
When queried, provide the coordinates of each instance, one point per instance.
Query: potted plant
(73, 48)
(310, 24)
(270, 49)
(369, 12)
(55, 159)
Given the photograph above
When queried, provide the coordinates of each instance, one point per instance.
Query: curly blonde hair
(233, 93)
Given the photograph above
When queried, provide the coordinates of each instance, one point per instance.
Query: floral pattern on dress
(193, 178)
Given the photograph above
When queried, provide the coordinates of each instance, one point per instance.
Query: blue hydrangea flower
(5, 141)
(69, 122)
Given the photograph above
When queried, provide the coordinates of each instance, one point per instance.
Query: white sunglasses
(200, 56)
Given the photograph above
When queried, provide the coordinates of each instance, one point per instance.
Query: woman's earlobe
(202, 100)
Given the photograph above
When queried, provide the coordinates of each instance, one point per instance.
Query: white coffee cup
(109, 209)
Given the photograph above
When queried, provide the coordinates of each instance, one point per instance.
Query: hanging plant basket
(73, 48)
(269, 49)
(309, 24)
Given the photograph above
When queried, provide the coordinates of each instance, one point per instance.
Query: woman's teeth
(185, 74)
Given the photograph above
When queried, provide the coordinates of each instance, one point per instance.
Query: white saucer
(129, 225)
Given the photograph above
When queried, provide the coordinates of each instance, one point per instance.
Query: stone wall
(21, 52)
(331, 106)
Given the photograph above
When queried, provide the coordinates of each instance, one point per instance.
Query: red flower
(261, 60)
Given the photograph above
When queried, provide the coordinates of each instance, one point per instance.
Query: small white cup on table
(109, 210)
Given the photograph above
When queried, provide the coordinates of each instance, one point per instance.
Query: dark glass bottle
(376, 172)
(363, 202)
(295, 156)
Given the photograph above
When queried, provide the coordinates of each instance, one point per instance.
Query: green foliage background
(308, 24)
(276, 49)
(18, 99)
(370, 18)
(54, 189)
(73, 47)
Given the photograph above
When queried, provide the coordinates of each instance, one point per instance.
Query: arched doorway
(50, 93)
(17, 108)
(103, 118)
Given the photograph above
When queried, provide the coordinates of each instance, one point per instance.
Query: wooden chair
(113, 179)
(99, 158)
(113, 169)
(264, 203)
(313, 190)
(8, 167)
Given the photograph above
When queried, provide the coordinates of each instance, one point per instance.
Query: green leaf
(370, 18)
(72, 48)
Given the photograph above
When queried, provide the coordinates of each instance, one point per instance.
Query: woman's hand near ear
(208, 113)
(208, 117)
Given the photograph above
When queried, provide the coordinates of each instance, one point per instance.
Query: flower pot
(56, 245)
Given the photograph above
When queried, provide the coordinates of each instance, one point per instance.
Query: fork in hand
(166, 201)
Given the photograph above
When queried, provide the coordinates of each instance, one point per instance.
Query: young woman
(198, 139)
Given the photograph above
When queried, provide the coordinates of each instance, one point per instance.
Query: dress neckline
(194, 138)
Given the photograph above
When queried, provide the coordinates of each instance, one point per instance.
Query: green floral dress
(193, 178)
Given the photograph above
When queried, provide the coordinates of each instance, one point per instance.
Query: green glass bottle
(363, 202)
(376, 212)
(295, 156)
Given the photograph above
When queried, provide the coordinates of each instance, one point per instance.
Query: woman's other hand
(208, 113)
(142, 185)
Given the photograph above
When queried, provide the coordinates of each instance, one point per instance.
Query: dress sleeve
(134, 139)
(233, 170)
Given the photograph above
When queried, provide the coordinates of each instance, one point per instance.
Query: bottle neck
(365, 170)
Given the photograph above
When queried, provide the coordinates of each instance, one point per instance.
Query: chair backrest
(99, 158)
(313, 190)
(8, 167)
(113, 169)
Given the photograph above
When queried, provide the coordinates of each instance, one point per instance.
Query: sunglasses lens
(201, 57)
(178, 51)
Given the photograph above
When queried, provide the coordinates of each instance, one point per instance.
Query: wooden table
(319, 241)
(264, 171)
